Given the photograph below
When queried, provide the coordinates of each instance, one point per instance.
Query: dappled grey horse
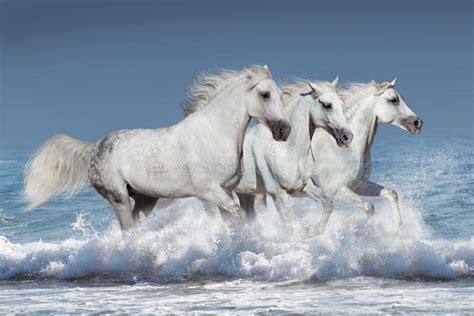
(199, 156)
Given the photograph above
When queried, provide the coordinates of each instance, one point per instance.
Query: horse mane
(351, 95)
(207, 86)
(295, 89)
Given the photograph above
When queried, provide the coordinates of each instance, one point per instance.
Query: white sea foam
(182, 242)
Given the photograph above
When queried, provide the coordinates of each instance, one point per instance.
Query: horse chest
(297, 186)
(294, 177)
(361, 174)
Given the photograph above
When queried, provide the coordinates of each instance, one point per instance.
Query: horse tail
(60, 165)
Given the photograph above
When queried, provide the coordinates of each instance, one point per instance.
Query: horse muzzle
(280, 130)
(344, 137)
(413, 124)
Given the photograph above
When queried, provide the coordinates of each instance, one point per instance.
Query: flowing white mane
(355, 91)
(352, 94)
(207, 85)
(295, 89)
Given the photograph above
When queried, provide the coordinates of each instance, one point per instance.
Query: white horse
(343, 173)
(280, 169)
(200, 156)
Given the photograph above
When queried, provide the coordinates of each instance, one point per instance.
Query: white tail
(59, 166)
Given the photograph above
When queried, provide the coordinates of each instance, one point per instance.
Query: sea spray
(193, 243)
(182, 242)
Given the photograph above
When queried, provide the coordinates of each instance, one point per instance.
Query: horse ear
(378, 87)
(247, 73)
(392, 84)
(314, 89)
(335, 81)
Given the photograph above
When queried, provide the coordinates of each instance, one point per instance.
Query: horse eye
(326, 106)
(265, 95)
(394, 100)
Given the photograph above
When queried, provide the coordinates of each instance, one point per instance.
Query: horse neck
(227, 113)
(364, 127)
(299, 140)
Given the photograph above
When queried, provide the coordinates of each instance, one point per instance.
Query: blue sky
(85, 68)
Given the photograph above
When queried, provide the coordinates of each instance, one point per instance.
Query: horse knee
(328, 205)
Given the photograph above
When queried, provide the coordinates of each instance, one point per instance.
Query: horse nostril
(418, 123)
(285, 130)
(346, 138)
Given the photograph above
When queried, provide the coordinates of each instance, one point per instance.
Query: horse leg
(280, 198)
(119, 200)
(247, 202)
(210, 208)
(224, 213)
(347, 195)
(224, 200)
(316, 193)
(143, 204)
(374, 189)
(165, 202)
(260, 204)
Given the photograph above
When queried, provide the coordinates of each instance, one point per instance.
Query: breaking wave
(182, 241)
(179, 245)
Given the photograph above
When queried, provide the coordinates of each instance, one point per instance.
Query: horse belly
(163, 187)
(156, 169)
(332, 173)
(158, 179)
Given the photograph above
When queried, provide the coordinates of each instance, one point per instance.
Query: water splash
(195, 244)
(83, 224)
(180, 242)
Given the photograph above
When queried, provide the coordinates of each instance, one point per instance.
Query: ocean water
(70, 255)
